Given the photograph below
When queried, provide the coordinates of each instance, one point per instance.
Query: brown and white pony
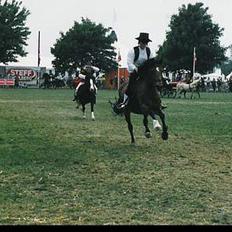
(192, 87)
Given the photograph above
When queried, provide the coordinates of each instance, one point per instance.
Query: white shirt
(142, 57)
(82, 76)
(95, 70)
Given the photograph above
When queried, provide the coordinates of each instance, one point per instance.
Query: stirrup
(123, 104)
(163, 107)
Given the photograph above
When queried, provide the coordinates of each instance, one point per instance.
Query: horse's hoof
(93, 119)
(84, 117)
(147, 134)
(165, 135)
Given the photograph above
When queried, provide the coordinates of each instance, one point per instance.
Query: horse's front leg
(130, 126)
(174, 93)
(191, 93)
(179, 92)
(185, 93)
(92, 111)
(164, 126)
(83, 111)
(147, 132)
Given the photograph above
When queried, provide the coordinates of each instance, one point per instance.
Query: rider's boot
(124, 103)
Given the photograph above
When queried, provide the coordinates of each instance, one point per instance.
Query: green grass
(57, 168)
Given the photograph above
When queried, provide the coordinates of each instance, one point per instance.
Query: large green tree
(85, 42)
(192, 27)
(226, 67)
(13, 32)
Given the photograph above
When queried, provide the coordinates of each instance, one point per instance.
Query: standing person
(230, 83)
(17, 81)
(219, 84)
(208, 84)
(135, 58)
(214, 84)
(46, 78)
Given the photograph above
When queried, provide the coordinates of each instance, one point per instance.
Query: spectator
(219, 84)
(203, 84)
(17, 81)
(46, 78)
(230, 83)
(214, 85)
(208, 84)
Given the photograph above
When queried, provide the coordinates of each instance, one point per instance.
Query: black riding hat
(143, 37)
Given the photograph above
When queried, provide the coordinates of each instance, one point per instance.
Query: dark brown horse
(145, 98)
(87, 94)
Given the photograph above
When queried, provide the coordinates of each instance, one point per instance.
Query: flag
(119, 57)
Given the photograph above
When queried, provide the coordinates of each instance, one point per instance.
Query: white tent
(212, 76)
(228, 76)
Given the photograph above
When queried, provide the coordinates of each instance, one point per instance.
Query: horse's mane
(153, 62)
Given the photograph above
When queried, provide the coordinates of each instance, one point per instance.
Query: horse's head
(195, 83)
(90, 82)
(150, 72)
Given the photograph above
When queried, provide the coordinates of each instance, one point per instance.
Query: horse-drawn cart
(169, 89)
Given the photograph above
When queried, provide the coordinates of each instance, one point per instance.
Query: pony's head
(195, 83)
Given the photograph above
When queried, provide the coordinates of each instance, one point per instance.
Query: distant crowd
(207, 84)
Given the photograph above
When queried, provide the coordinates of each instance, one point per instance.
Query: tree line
(87, 41)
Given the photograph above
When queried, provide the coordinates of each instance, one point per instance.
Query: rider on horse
(87, 70)
(135, 58)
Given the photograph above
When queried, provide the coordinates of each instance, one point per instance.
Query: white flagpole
(118, 55)
(38, 49)
(194, 61)
(118, 75)
(119, 59)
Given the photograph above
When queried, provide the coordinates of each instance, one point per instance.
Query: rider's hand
(135, 70)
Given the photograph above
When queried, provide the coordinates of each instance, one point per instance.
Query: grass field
(57, 168)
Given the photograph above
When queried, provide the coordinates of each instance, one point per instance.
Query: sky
(127, 17)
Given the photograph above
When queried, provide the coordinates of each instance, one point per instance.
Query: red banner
(9, 82)
(2, 82)
(23, 74)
